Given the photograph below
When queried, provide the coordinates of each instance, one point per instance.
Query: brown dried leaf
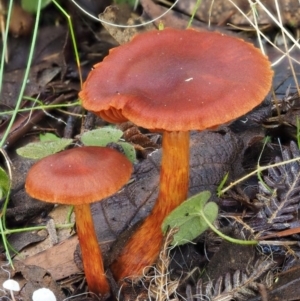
(142, 143)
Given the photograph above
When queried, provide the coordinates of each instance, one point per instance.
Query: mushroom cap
(178, 80)
(78, 176)
(11, 285)
(43, 294)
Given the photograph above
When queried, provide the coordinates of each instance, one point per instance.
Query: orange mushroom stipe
(78, 177)
(174, 81)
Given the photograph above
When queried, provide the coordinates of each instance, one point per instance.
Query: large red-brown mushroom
(78, 177)
(174, 81)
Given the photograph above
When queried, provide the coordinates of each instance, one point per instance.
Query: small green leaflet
(187, 217)
(101, 137)
(128, 150)
(105, 135)
(39, 150)
(4, 183)
(48, 137)
(31, 5)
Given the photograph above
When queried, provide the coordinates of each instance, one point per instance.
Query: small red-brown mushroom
(78, 177)
(174, 81)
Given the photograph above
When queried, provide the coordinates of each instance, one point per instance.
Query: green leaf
(31, 5)
(128, 150)
(101, 137)
(49, 137)
(187, 218)
(4, 183)
(39, 150)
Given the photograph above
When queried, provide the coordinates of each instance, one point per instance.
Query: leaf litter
(223, 151)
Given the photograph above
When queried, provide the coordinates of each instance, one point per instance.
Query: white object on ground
(43, 294)
(12, 286)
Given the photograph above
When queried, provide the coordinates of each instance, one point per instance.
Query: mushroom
(78, 177)
(43, 294)
(173, 81)
(12, 286)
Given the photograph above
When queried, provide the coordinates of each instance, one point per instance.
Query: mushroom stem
(143, 247)
(90, 250)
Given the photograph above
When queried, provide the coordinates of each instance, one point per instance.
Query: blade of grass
(296, 44)
(4, 42)
(288, 34)
(18, 104)
(72, 37)
(286, 47)
(3, 230)
(256, 171)
(255, 16)
(197, 5)
(26, 74)
(42, 107)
